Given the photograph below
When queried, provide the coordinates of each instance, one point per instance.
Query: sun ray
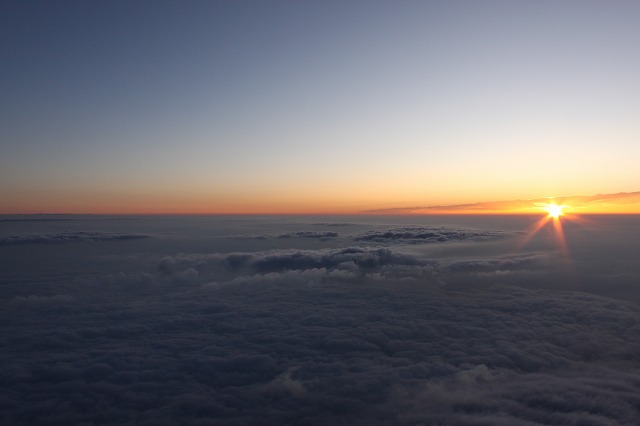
(559, 235)
(556, 215)
(534, 229)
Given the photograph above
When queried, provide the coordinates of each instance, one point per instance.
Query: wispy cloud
(601, 203)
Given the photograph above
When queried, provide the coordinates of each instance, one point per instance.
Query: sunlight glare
(554, 210)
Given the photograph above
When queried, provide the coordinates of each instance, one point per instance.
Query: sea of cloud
(318, 321)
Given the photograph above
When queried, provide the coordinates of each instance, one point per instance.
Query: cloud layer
(279, 352)
(376, 331)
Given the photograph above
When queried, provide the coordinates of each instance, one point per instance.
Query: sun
(554, 210)
(555, 216)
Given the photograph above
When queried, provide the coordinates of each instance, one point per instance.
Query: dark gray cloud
(510, 263)
(351, 264)
(310, 234)
(378, 234)
(19, 218)
(420, 235)
(65, 237)
(306, 265)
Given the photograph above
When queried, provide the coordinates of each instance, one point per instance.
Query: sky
(315, 106)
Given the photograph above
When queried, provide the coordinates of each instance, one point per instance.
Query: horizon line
(616, 203)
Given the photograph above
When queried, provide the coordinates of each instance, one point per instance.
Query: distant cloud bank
(398, 235)
(66, 237)
(310, 234)
(417, 235)
(348, 265)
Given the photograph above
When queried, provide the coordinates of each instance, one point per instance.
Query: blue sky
(243, 106)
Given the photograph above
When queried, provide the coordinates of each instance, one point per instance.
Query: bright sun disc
(554, 210)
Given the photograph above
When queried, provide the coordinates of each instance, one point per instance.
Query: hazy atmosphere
(320, 213)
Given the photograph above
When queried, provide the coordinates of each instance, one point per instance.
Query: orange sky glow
(310, 203)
